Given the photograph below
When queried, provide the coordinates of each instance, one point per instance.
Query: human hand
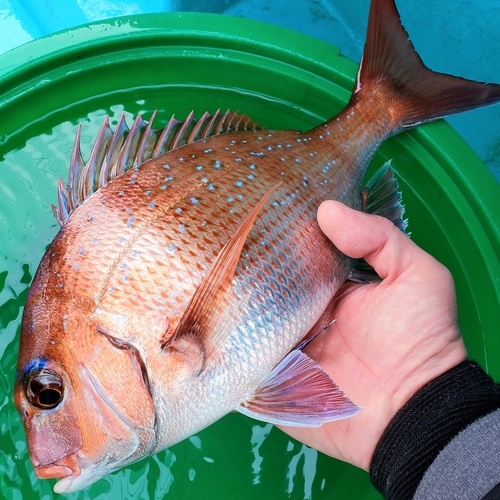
(390, 337)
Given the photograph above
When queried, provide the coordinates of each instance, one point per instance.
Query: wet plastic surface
(173, 62)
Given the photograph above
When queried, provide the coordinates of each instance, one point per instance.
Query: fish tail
(416, 94)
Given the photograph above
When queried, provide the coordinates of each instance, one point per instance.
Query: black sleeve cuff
(426, 424)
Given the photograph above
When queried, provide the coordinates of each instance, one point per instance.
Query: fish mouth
(66, 469)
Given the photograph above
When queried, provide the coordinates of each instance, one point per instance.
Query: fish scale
(186, 279)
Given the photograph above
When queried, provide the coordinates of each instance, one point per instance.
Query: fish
(189, 272)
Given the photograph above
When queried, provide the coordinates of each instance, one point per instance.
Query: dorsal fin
(116, 152)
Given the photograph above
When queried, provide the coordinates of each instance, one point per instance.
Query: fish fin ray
(298, 392)
(417, 93)
(115, 152)
(381, 196)
(200, 317)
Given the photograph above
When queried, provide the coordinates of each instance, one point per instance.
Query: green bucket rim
(24, 70)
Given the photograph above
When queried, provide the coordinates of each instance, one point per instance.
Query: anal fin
(298, 392)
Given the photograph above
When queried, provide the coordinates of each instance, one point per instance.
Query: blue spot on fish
(199, 167)
(151, 205)
(217, 164)
(239, 183)
(207, 151)
(182, 228)
(82, 251)
(194, 201)
(36, 364)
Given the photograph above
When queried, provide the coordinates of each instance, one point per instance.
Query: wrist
(425, 425)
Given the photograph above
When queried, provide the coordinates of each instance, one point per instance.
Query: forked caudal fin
(416, 93)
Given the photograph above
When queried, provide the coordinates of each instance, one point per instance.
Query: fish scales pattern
(196, 212)
(153, 235)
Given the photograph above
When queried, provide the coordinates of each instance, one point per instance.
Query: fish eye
(44, 389)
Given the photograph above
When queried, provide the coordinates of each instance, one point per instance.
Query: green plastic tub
(175, 63)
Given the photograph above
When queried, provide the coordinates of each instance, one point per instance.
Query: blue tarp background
(460, 37)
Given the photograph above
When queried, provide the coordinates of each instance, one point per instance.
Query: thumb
(360, 235)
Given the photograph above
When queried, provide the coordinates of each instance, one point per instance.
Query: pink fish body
(179, 290)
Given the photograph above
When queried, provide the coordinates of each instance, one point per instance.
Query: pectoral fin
(298, 392)
(201, 316)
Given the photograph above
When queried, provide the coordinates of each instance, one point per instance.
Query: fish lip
(63, 468)
(52, 471)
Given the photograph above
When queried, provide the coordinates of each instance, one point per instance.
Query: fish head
(84, 401)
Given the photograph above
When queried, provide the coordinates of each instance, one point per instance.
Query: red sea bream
(181, 288)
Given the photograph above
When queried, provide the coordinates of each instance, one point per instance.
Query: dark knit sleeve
(426, 424)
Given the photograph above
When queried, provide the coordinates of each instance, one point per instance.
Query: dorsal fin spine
(185, 126)
(142, 153)
(115, 145)
(88, 178)
(116, 152)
